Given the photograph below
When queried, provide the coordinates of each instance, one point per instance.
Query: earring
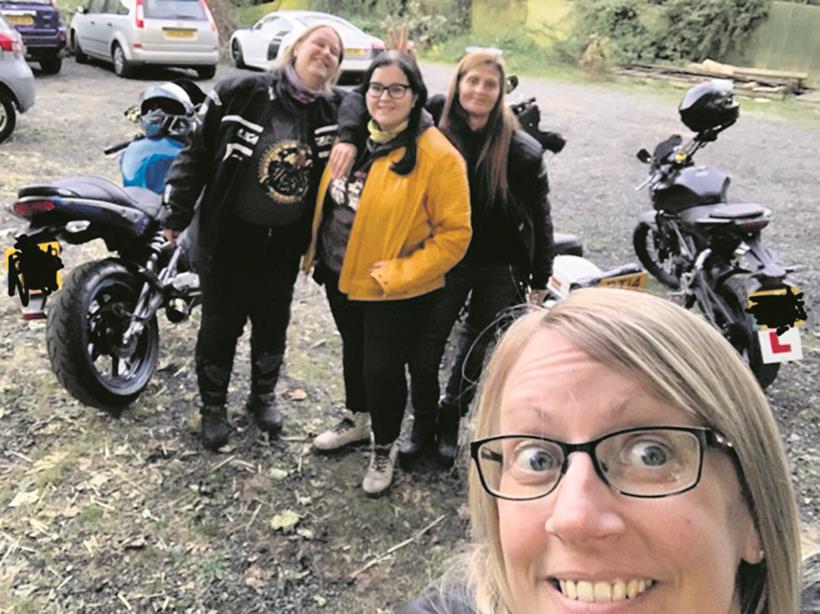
(761, 555)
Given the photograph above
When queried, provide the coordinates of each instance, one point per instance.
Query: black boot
(265, 412)
(422, 439)
(214, 426)
(449, 420)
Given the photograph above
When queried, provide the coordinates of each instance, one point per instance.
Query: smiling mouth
(602, 592)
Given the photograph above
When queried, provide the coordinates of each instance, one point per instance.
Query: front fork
(153, 291)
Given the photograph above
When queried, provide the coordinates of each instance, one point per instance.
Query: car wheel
(237, 58)
(206, 72)
(79, 54)
(122, 67)
(8, 115)
(51, 65)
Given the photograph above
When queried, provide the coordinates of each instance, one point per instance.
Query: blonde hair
(289, 58)
(491, 165)
(683, 361)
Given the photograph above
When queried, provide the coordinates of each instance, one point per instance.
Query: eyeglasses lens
(394, 90)
(641, 463)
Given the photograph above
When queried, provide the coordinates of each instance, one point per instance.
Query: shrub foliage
(671, 30)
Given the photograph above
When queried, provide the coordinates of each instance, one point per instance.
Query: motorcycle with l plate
(709, 251)
(102, 332)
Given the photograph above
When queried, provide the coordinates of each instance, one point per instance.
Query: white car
(265, 41)
(131, 33)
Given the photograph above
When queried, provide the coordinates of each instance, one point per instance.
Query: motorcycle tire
(84, 331)
(645, 243)
(741, 332)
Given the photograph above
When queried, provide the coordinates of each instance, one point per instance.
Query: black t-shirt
(277, 177)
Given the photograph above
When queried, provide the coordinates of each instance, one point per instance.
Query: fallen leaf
(277, 474)
(320, 601)
(306, 533)
(285, 521)
(257, 578)
(25, 498)
(298, 395)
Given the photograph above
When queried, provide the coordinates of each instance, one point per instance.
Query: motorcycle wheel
(648, 248)
(741, 332)
(84, 331)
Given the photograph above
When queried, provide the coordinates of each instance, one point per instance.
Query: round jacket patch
(284, 171)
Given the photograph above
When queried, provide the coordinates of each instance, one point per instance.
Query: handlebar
(120, 146)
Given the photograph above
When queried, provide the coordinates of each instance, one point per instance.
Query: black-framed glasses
(396, 91)
(645, 461)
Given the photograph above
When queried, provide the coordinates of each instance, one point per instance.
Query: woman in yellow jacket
(383, 238)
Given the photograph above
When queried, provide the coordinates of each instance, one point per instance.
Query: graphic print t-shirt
(276, 183)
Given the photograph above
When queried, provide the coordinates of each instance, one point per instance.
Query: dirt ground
(129, 514)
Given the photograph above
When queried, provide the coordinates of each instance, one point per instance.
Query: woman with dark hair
(383, 238)
(511, 248)
(253, 164)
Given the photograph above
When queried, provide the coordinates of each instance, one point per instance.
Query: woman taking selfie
(384, 236)
(511, 248)
(255, 159)
(624, 460)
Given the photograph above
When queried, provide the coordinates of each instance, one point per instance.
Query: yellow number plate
(634, 281)
(19, 20)
(53, 246)
(179, 33)
(355, 52)
(762, 296)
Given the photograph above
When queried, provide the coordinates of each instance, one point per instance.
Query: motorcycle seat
(721, 213)
(97, 188)
(736, 210)
(567, 245)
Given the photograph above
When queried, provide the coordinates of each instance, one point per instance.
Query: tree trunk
(225, 25)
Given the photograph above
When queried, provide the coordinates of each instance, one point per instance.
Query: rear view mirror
(644, 156)
(512, 83)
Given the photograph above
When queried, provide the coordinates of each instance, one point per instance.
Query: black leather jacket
(230, 122)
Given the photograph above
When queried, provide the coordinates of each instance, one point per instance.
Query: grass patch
(90, 514)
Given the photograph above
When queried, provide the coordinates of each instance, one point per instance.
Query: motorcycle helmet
(165, 110)
(709, 105)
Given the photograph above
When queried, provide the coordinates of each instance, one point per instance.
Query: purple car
(43, 32)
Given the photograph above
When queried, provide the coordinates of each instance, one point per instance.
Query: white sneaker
(379, 474)
(353, 428)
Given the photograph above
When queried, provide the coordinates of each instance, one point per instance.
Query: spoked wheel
(656, 257)
(84, 336)
(122, 67)
(741, 331)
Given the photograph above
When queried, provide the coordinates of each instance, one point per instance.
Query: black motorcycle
(709, 250)
(101, 332)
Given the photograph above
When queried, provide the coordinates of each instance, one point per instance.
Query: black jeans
(349, 318)
(491, 289)
(379, 340)
(252, 277)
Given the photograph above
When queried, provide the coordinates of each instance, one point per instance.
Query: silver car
(16, 79)
(131, 33)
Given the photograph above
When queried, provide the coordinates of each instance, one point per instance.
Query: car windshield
(342, 27)
(174, 9)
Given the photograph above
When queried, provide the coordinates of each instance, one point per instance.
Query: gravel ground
(119, 514)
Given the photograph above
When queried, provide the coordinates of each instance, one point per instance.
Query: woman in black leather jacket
(512, 247)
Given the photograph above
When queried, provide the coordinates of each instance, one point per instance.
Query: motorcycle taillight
(753, 225)
(28, 208)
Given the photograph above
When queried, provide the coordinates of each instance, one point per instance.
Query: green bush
(671, 30)
(429, 22)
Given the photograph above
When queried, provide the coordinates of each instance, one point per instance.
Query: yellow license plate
(780, 303)
(49, 247)
(633, 281)
(355, 53)
(19, 20)
(179, 33)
